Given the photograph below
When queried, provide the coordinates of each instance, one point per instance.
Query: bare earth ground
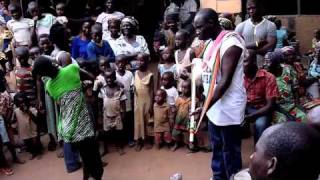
(145, 165)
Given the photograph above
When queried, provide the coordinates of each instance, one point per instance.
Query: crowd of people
(109, 86)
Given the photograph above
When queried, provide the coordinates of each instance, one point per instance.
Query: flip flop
(7, 171)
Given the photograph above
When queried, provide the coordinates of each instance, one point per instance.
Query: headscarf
(131, 20)
(225, 23)
(275, 57)
(288, 50)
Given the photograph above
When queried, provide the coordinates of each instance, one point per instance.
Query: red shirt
(259, 89)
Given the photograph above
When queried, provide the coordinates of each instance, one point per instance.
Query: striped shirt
(25, 82)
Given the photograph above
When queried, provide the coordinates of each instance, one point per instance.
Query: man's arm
(270, 45)
(229, 63)
(264, 110)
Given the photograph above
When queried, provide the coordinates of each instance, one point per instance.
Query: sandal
(7, 171)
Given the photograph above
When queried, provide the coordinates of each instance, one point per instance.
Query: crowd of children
(129, 102)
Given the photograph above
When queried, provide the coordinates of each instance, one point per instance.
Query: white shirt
(21, 30)
(127, 80)
(230, 108)
(103, 18)
(113, 44)
(172, 95)
(138, 46)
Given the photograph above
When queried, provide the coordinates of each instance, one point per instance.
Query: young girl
(167, 82)
(143, 100)
(180, 131)
(114, 108)
(169, 64)
(25, 117)
(162, 119)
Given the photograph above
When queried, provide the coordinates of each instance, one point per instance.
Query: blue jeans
(261, 123)
(71, 157)
(226, 144)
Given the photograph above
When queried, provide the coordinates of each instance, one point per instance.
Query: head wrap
(131, 20)
(225, 23)
(288, 50)
(275, 57)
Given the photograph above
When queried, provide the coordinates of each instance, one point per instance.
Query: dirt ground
(145, 165)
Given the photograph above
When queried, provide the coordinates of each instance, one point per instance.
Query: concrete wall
(304, 27)
(231, 6)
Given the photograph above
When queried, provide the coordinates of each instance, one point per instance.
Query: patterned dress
(286, 83)
(181, 124)
(142, 106)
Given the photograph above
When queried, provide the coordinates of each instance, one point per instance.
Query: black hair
(23, 52)
(163, 92)
(15, 6)
(184, 32)
(112, 71)
(43, 64)
(2, 81)
(170, 76)
(59, 36)
(296, 147)
(278, 23)
(44, 36)
(121, 57)
(96, 27)
(159, 36)
(18, 97)
(172, 17)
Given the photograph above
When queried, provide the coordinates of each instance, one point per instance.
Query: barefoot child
(162, 114)
(114, 108)
(25, 118)
(126, 78)
(143, 101)
(180, 131)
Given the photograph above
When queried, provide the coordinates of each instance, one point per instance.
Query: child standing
(180, 131)
(162, 119)
(143, 100)
(24, 78)
(34, 53)
(114, 108)
(25, 116)
(21, 28)
(98, 47)
(167, 82)
(168, 60)
(183, 56)
(126, 78)
(6, 107)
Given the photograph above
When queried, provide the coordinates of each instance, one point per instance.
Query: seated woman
(314, 73)
(287, 109)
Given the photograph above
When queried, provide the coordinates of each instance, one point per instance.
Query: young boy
(45, 44)
(21, 28)
(125, 77)
(98, 47)
(162, 118)
(24, 79)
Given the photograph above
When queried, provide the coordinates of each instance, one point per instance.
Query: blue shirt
(79, 48)
(94, 51)
(281, 36)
